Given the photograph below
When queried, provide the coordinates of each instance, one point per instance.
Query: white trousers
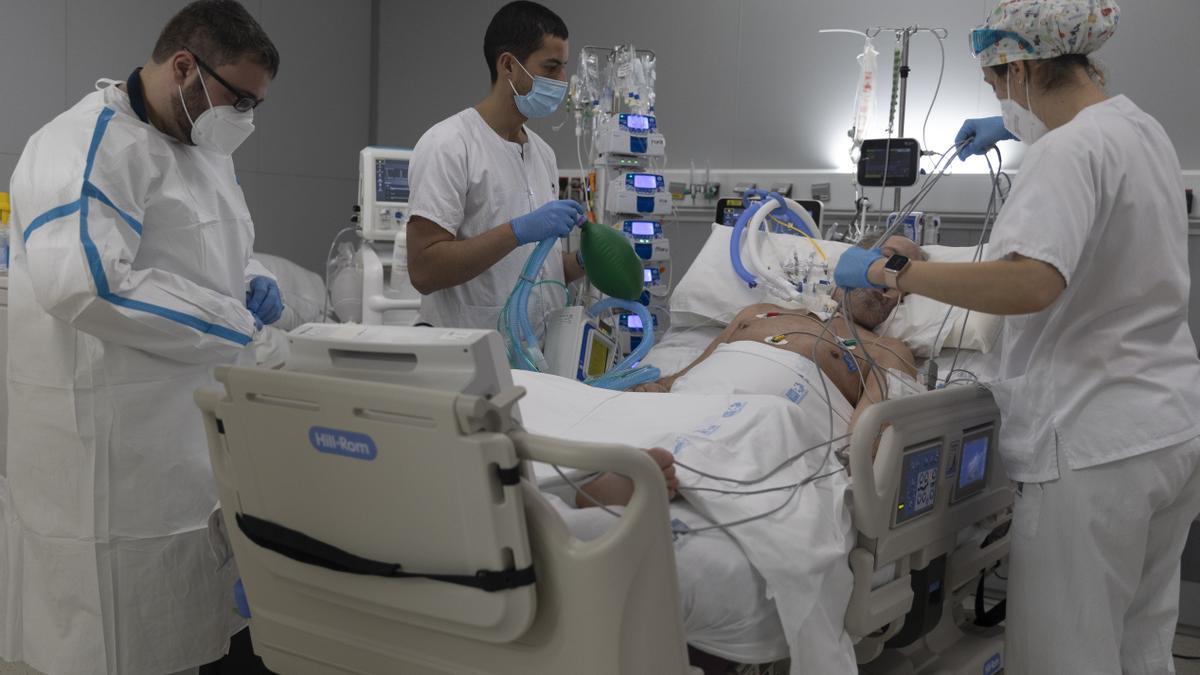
(1095, 562)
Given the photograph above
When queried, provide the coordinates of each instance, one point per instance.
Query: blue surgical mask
(543, 98)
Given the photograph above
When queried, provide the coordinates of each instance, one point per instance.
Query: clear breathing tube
(519, 336)
(627, 373)
(521, 340)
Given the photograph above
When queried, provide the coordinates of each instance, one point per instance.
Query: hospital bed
(377, 455)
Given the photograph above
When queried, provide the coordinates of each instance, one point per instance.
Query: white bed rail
(930, 562)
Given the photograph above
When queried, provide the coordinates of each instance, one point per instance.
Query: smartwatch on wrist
(893, 268)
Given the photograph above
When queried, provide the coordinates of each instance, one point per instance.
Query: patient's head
(870, 307)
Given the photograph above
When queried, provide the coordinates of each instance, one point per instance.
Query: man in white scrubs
(484, 185)
(1099, 375)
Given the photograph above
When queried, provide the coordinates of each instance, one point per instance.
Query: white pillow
(918, 320)
(712, 291)
(303, 291)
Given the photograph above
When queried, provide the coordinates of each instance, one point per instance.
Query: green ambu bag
(610, 262)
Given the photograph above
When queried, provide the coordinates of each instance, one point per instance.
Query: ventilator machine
(372, 285)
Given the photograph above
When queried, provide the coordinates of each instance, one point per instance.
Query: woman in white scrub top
(485, 187)
(1100, 382)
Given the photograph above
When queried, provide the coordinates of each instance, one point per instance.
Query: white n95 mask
(220, 128)
(1021, 122)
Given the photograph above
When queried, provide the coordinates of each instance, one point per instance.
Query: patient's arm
(664, 384)
(887, 353)
(897, 356)
(875, 391)
(613, 489)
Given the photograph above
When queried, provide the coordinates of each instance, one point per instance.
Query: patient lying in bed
(770, 350)
(862, 366)
(859, 363)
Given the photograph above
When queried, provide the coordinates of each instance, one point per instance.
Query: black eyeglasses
(244, 102)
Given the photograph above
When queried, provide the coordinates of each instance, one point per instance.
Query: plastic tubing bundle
(521, 339)
(627, 373)
(519, 336)
(792, 213)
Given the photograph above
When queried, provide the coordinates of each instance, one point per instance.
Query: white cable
(766, 476)
(936, 90)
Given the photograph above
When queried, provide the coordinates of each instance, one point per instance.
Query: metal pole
(904, 39)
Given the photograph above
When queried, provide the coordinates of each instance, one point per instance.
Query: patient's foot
(613, 489)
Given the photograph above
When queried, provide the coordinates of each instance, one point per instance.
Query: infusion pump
(383, 191)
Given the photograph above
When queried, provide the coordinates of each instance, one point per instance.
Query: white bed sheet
(799, 553)
(680, 346)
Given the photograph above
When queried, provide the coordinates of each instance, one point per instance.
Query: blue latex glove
(239, 600)
(980, 135)
(851, 270)
(552, 219)
(263, 300)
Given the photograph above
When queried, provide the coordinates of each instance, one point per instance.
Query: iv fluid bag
(864, 102)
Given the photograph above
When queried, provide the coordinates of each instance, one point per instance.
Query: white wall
(298, 169)
(751, 87)
(747, 85)
(751, 84)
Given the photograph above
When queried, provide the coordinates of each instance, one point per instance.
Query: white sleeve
(80, 263)
(1053, 206)
(255, 268)
(438, 178)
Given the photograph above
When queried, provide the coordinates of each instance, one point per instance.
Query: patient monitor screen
(972, 468)
(918, 482)
(391, 180)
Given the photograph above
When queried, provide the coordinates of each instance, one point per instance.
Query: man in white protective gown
(1098, 370)
(131, 278)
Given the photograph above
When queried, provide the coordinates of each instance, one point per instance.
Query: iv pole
(904, 36)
